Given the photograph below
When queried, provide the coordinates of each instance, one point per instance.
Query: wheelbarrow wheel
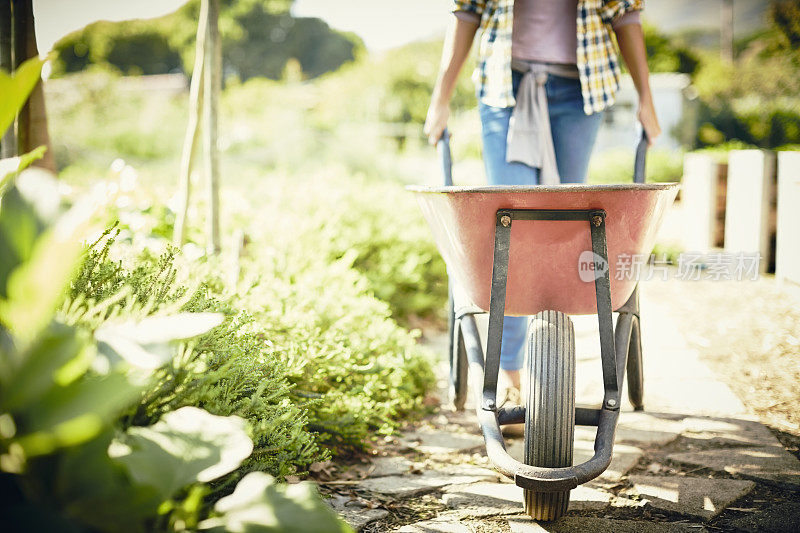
(550, 406)
(458, 366)
(634, 367)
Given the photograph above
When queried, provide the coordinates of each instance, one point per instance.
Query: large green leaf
(15, 90)
(27, 379)
(40, 263)
(147, 343)
(72, 414)
(97, 491)
(9, 167)
(186, 446)
(20, 227)
(259, 504)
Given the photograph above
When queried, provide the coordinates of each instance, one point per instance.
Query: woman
(546, 71)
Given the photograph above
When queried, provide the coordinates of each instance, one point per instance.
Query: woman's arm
(631, 44)
(457, 43)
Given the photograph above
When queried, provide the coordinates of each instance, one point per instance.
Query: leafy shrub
(230, 371)
(64, 467)
(384, 236)
(293, 316)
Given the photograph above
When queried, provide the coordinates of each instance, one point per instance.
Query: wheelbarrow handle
(641, 158)
(443, 147)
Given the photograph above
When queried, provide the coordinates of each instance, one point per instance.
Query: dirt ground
(749, 333)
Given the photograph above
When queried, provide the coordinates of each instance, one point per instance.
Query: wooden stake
(213, 78)
(192, 137)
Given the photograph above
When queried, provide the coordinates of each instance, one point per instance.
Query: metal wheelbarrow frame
(620, 345)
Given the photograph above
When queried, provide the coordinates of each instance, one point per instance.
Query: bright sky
(381, 23)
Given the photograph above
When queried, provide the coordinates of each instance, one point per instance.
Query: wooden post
(699, 198)
(18, 44)
(726, 31)
(787, 261)
(748, 203)
(8, 148)
(212, 76)
(192, 137)
(32, 121)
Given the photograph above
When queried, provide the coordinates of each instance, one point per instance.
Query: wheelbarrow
(550, 252)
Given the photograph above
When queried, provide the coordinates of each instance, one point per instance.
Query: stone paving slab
(599, 525)
(390, 466)
(444, 525)
(354, 512)
(411, 485)
(700, 497)
(641, 429)
(490, 499)
(730, 430)
(359, 518)
(624, 458)
(433, 441)
(767, 463)
(779, 518)
(648, 429)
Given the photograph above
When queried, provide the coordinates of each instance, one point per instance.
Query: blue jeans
(574, 134)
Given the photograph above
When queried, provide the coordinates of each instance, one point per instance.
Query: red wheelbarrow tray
(543, 270)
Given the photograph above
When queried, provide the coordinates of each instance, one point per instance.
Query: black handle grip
(443, 147)
(641, 158)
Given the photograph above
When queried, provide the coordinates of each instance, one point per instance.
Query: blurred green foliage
(616, 166)
(258, 39)
(754, 100)
(665, 54)
(407, 75)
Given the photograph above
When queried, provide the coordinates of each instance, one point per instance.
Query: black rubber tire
(550, 406)
(634, 368)
(458, 363)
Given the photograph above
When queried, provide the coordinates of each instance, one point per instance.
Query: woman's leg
(494, 127)
(574, 132)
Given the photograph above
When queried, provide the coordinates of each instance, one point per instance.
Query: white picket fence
(760, 201)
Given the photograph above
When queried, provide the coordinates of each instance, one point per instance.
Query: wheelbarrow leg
(458, 361)
(628, 335)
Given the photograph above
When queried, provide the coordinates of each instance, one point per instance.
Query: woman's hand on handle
(631, 44)
(454, 52)
(436, 121)
(648, 119)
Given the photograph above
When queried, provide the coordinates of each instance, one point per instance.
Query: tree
(258, 38)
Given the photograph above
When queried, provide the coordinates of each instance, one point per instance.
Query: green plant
(382, 234)
(61, 392)
(229, 371)
(65, 464)
(306, 354)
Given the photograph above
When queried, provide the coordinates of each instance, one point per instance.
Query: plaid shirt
(597, 63)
